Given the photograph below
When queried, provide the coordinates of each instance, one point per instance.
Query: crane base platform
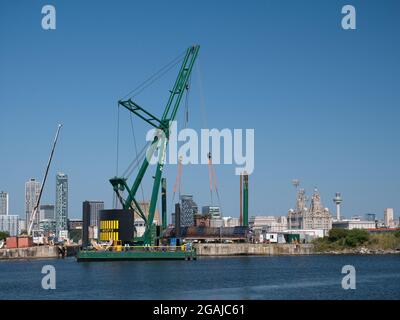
(93, 255)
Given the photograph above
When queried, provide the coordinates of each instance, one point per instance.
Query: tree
(356, 237)
(337, 234)
(75, 235)
(4, 235)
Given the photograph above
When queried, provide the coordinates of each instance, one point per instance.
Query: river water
(277, 277)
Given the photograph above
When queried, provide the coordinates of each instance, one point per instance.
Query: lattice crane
(159, 143)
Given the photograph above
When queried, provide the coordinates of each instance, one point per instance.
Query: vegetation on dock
(4, 235)
(342, 240)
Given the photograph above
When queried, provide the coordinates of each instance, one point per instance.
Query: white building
(3, 203)
(21, 225)
(32, 190)
(213, 211)
(231, 221)
(389, 218)
(353, 224)
(269, 223)
(216, 223)
(9, 223)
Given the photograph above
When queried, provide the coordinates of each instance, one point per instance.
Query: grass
(341, 239)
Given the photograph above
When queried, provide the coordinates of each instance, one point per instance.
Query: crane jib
(169, 114)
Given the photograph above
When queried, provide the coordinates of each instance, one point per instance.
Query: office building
(3, 203)
(46, 212)
(213, 211)
(61, 208)
(189, 209)
(90, 220)
(32, 190)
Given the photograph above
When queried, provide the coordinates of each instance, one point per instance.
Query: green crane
(159, 143)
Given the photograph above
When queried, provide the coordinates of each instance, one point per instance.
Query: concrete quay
(249, 249)
(37, 252)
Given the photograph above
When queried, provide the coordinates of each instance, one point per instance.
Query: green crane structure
(159, 143)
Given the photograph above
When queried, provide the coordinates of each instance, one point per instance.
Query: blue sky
(324, 102)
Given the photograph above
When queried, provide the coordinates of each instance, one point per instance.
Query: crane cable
(157, 75)
(211, 170)
(115, 196)
(133, 93)
(136, 151)
(178, 180)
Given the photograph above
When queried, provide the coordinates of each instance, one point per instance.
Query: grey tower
(61, 213)
(337, 200)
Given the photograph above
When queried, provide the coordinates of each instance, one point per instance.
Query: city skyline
(327, 116)
(45, 205)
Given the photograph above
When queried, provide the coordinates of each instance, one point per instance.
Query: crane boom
(163, 124)
(36, 208)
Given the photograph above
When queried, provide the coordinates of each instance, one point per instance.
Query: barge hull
(133, 255)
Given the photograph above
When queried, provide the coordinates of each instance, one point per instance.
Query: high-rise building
(188, 210)
(213, 211)
(3, 203)
(389, 217)
(32, 190)
(90, 220)
(46, 212)
(61, 213)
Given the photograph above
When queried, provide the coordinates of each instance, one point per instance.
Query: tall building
(32, 190)
(61, 213)
(90, 220)
(46, 212)
(188, 210)
(3, 203)
(389, 217)
(317, 217)
(213, 211)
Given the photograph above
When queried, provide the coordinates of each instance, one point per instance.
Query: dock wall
(37, 252)
(233, 249)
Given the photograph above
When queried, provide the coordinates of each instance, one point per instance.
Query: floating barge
(138, 253)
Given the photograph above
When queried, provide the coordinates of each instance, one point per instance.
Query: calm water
(301, 277)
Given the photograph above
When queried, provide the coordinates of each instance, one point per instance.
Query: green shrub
(4, 235)
(356, 237)
(337, 234)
